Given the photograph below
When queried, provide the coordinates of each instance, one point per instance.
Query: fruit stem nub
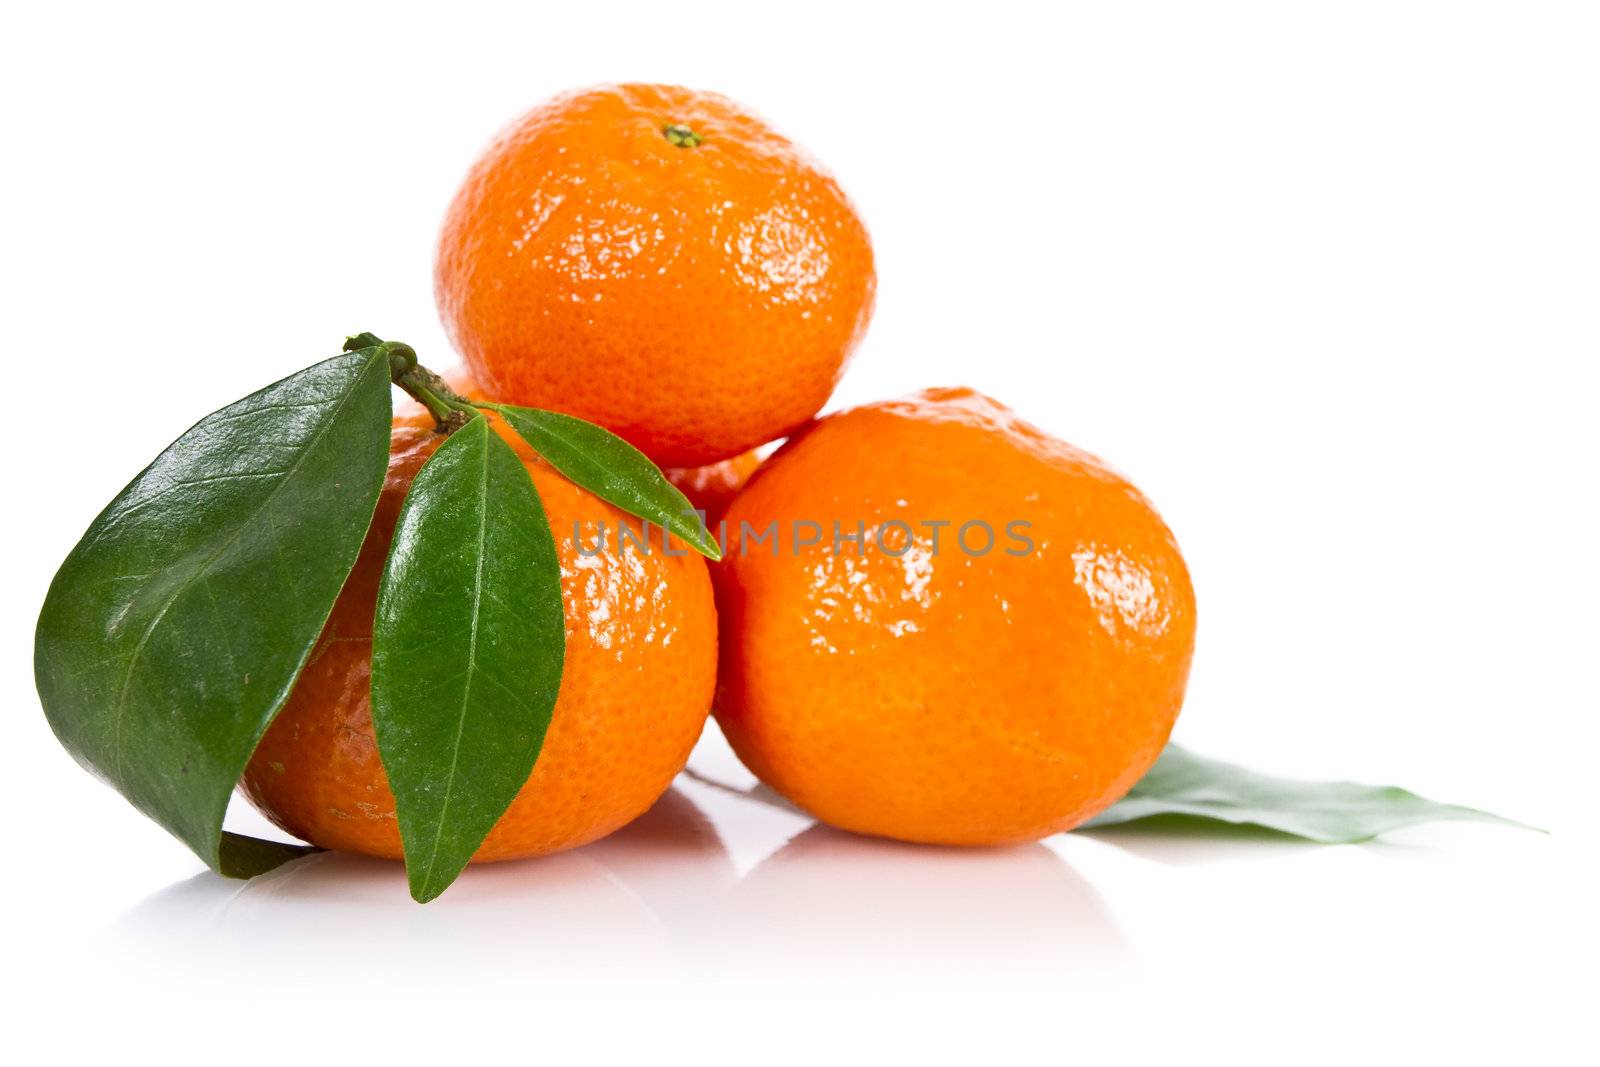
(681, 135)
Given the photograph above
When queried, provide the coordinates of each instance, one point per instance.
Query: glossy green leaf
(175, 629)
(1183, 784)
(611, 469)
(467, 650)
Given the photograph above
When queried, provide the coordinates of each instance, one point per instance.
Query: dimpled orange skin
(950, 698)
(639, 672)
(699, 301)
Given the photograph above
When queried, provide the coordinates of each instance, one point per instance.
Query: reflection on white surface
(827, 898)
(722, 880)
(663, 895)
(726, 911)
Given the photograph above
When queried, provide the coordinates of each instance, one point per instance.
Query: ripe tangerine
(639, 672)
(924, 688)
(659, 261)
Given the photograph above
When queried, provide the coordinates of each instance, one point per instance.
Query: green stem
(449, 413)
(449, 409)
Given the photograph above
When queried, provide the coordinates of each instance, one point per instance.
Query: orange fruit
(635, 693)
(940, 684)
(712, 488)
(658, 261)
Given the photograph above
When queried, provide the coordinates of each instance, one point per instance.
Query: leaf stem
(449, 409)
(450, 412)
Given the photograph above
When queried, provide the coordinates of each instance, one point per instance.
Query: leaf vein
(472, 665)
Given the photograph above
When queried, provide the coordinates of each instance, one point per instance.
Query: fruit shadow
(634, 899)
(660, 896)
(828, 898)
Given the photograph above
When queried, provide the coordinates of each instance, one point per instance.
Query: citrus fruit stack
(937, 622)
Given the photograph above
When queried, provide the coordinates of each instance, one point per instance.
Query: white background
(1321, 278)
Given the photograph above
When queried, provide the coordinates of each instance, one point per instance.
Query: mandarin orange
(940, 624)
(639, 671)
(658, 261)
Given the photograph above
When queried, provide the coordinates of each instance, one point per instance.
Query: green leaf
(1184, 784)
(246, 857)
(174, 631)
(467, 650)
(611, 469)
